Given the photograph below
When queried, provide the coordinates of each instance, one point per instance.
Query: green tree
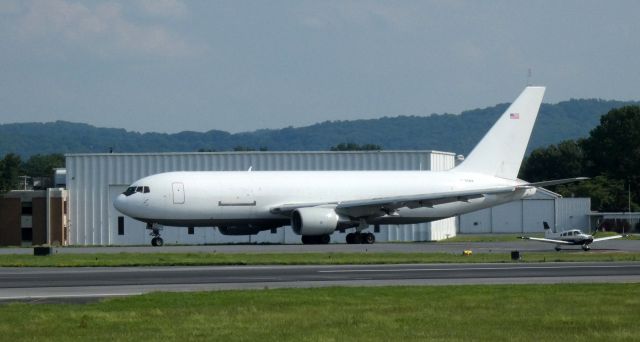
(613, 148)
(40, 165)
(9, 172)
(355, 147)
(606, 194)
(564, 160)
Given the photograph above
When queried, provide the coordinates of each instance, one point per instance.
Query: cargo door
(178, 193)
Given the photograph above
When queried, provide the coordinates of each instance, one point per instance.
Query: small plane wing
(607, 238)
(388, 205)
(546, 240)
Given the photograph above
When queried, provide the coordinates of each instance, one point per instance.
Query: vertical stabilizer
(501, 150)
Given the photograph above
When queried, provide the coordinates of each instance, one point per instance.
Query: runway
(72, 284)
(416, 247)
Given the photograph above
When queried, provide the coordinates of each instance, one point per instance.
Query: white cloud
(164, 8)
(102, 29)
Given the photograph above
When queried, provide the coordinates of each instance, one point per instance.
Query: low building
(34, 217)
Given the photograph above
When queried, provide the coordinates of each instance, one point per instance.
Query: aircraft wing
(546, 240)
(607, 238)
(388, 205)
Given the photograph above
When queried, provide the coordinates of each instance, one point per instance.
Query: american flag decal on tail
(514, 116)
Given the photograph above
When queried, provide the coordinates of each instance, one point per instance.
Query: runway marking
(475, 268)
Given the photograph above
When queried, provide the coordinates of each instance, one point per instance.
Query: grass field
(194, 259)
(595, 312)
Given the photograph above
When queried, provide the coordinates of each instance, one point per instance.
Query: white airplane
(317, 203)
(569, 237)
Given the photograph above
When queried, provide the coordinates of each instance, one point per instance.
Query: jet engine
(316, 221)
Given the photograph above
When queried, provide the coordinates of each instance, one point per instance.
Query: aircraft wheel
(324, 239)
(368, 238)
(153, 242)
(306, 240)
(349, 238)
(357, 238)
(159, 241)
(586, 247)
(557, 249)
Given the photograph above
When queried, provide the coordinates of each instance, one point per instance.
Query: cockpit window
(133, 189)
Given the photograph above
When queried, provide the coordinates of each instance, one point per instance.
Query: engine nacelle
(315, 221)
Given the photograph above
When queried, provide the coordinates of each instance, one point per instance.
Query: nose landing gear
(155, 229)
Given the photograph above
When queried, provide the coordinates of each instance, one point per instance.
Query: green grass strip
(195, 259)
(569, 312)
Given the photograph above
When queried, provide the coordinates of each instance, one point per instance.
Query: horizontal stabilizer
(556, 182)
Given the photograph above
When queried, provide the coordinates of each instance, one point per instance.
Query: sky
(170, 65)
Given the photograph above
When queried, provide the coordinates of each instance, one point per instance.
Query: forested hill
(446, 132)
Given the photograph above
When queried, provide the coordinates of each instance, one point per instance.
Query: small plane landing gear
(557, 248)
(156, 241)
(316, 239)
(364, 238)
(586, 247)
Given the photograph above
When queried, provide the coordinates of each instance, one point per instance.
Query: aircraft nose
(119, 203)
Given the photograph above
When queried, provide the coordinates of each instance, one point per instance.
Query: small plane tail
(501, 150)
(547, 229)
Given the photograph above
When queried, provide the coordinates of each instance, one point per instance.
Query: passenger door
(178, 193)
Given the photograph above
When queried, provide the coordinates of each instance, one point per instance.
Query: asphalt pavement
(408, 247)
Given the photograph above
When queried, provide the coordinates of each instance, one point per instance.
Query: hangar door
(537, 211)
(477, 222)
(507, 218)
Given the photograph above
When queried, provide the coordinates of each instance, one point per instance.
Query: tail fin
(501, 150)
(547, 229)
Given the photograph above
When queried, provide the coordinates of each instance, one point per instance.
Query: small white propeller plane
(569, 237)
(317, 203)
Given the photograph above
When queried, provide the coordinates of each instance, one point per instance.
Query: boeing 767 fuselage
(316, 203)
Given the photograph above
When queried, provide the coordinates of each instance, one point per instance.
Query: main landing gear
(156, 241)
(316, 239)
(363, 238)
(586, 247)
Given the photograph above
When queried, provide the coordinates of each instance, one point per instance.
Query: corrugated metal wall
(93, 181)
(526, 216)
(572, 214)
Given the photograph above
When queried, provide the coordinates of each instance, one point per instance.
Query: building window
(120, 225)
(65, 206)
(27, 208)
(274, 230)
(190, 230)
(27, 234)
(376, 228)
